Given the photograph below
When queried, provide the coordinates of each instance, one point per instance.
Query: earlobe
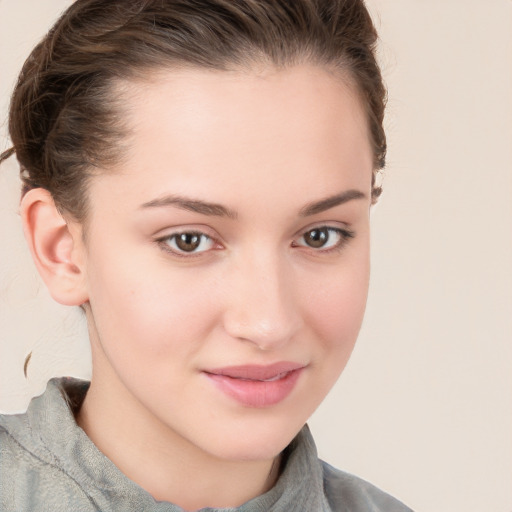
(56, 248)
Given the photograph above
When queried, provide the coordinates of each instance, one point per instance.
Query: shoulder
(356, 494)
(28, 482)
(31, 476)
(322, 487)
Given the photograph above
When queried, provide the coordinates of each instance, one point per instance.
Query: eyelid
(345, 233)
(334, 224)
(161, 240)
(186, 228)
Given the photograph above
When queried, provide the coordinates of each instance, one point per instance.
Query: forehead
(199, 132)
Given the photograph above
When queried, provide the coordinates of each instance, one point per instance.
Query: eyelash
(164, 242)
(344, 236)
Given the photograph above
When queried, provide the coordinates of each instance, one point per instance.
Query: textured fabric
(47, 463)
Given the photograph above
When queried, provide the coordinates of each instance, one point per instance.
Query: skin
(264, 144)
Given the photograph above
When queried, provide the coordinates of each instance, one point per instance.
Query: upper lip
(257, 372)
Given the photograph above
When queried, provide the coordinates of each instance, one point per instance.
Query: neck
(162, 462)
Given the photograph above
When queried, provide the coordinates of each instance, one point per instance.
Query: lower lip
(256, 393)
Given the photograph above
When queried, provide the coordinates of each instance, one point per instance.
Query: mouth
(254, 385)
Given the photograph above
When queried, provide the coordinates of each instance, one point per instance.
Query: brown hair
(64, 121)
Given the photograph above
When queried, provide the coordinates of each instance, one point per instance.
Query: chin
(254, 441)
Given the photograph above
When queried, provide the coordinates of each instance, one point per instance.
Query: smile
(257, 386)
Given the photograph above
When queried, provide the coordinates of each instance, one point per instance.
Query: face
(227, 260)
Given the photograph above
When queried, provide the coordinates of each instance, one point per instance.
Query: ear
(56, 246)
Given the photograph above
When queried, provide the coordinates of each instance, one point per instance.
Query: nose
(262, 308)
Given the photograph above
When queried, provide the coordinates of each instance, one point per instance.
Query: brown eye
(325, 238)
(316, 238)
(188, 242)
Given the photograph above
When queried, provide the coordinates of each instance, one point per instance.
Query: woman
(197, 177)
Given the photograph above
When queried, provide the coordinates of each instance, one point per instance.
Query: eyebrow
(193, 205)
(331, 202)
(218, 210)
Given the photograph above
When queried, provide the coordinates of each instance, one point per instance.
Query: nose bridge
(263, 308)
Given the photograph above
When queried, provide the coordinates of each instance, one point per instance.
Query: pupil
(317, 237)
(188, 241)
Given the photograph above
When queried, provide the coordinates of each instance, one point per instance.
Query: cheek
(333, 311)
(336, 306)
(150, 311)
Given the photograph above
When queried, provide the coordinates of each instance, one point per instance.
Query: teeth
(277, 377)
(271, 379)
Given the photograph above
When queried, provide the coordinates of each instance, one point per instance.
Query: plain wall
(424, 408)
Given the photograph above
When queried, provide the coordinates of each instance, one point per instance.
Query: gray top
(47, 463)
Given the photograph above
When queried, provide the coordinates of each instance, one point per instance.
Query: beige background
(424, 409)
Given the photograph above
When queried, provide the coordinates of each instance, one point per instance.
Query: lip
(257, 385)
